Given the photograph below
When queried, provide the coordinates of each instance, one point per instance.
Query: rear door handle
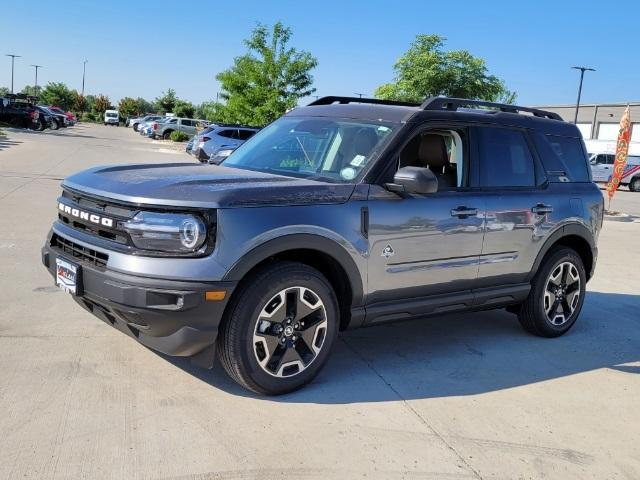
(463, 212)
(542, 209)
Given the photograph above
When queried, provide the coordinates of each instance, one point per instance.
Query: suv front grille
(78, 252)
(87, 205)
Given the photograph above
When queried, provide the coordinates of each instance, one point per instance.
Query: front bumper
(172, 317)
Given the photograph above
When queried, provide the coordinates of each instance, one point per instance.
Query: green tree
(101, 105)
(79, 102)
(183, 108)
(57, 94)
(427, 70)
(144, 106)
(4, 91)
(211, 111)
(128, 107)
(167, 101)
(268, 80)
(30, 90)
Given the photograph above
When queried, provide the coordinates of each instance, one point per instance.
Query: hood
(203, 186)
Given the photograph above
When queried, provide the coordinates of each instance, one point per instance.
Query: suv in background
(184, 125)
(136, 122)
(20, 111)
(218, 138)
(345, 213)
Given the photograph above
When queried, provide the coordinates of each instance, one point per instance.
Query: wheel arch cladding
(325, 255)
(574, 236)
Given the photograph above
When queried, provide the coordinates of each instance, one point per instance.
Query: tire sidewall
(556, 258)
(248, 309)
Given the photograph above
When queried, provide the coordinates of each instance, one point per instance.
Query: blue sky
(143, 48)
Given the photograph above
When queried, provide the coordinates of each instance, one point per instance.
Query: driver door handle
(463, 212)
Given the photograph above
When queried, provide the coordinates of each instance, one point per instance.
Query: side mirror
(414, 180)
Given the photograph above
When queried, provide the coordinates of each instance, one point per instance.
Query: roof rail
(375, 101)
(445, 103)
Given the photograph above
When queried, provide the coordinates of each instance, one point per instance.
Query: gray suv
(345, 213)
(187, 126)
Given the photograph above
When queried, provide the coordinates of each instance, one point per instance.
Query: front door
(422, 245)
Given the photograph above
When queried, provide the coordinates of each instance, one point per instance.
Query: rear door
(520, 205)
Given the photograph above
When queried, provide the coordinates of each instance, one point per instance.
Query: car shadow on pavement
(463, 354)
(6, 142)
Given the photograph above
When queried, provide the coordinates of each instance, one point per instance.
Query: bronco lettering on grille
(87, 216)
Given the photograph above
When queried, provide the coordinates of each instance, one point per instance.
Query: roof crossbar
(375, 101)
(445, 103)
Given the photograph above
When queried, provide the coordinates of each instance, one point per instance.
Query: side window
(246, 134)
(442, 152)
(173, 121)
(226, 133)
(505, 158)
(186, 123)
(570, 152)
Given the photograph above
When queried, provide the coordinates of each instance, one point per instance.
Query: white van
(602, 154)
(112, 117)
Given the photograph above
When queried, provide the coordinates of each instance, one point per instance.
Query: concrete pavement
(463, 396)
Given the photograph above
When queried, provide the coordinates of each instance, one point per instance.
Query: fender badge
(387, 251)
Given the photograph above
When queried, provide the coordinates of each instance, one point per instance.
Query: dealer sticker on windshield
(67, 276)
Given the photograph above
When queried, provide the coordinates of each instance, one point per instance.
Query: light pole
(36, 85)
(359, 94)
(582, 70)
(13, 58)
(84, 69)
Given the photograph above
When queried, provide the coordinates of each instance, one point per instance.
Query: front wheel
(166, 135)
(280, 329)
(556, 296)
(634, 185)
(54, 125)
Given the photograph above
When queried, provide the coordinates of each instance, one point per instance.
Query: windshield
(312, 147)
(111, 114)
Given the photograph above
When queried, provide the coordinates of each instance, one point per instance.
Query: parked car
(58, 120)
(71, 118)
(218, 138)
(349, 212)
(135, 122)
(184, 125)
(146, 129)
(602, 155)
(20, 111)
(220, 156)
(112, 117)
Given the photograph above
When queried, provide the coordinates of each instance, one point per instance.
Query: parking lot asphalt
(461, 396)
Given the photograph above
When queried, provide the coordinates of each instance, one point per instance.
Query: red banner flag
(622, 151)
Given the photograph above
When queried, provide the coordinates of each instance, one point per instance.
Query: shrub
(88, 117)
(177, 136)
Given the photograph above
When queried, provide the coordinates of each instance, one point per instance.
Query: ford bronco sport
(345, 213)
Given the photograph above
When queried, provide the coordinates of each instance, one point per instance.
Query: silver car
(217, 138)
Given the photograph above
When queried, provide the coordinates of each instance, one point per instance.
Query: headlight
(167, 232)
(224, 153)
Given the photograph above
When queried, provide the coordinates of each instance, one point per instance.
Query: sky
(143, 48)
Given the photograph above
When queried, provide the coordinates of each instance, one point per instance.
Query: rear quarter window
(571, 154)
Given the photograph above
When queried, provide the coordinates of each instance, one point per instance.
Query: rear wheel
(280, 329)
(166, 135)
(634, 185)
(135, 127)
(556, 296)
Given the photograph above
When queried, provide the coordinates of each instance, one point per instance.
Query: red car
(70, 116)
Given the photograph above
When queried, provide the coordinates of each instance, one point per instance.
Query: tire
(634, 185)
(54, 125)
(536, 311)
(135, 127)
(275, 357)
(167, 135)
